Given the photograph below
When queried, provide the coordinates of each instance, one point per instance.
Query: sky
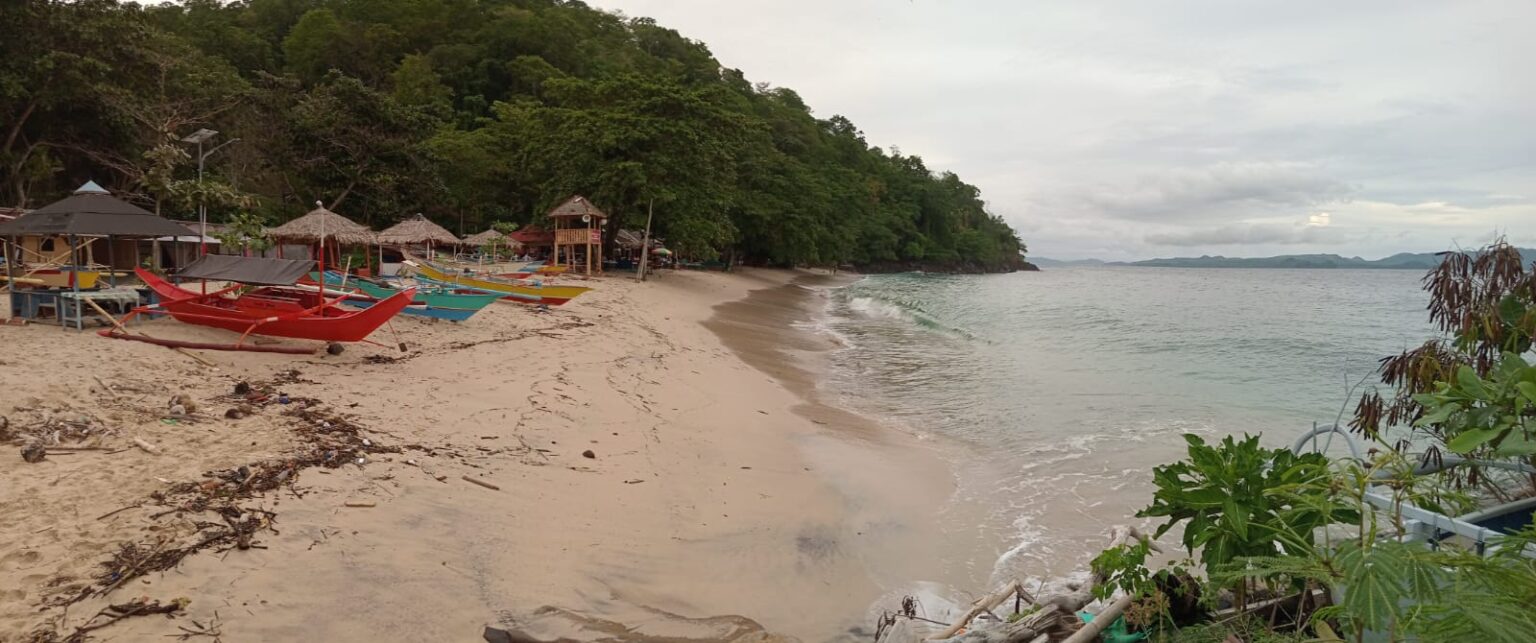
(1134, 129)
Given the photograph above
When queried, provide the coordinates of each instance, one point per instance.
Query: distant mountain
(1400, 261)
(1061, 263)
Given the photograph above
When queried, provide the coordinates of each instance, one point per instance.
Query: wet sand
(722, 501)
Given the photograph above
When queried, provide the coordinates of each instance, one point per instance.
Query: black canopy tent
(248, 270)
(90, 212)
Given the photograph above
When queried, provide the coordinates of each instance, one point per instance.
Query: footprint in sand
(12, 595)
(19, 559)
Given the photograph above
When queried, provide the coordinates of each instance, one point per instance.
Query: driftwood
(147, 447)
(480, 482)
(1055, 620)
(1039, 626)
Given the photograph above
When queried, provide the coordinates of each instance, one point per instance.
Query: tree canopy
(471, 111)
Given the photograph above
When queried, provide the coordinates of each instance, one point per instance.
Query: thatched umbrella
(336, 229)
(486, 238)
(492, 238)
(417, 230)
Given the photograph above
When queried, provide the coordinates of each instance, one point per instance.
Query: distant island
(1400, 261)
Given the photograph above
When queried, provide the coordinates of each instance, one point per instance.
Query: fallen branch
(482, 483)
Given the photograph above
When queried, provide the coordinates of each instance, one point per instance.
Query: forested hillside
(471, 111)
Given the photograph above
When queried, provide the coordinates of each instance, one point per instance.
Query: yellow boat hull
(553, 295)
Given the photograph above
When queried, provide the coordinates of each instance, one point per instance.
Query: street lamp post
(199, 137)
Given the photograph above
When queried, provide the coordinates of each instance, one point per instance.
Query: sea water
(1060, 390)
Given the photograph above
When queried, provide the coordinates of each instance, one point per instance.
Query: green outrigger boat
(437, 303)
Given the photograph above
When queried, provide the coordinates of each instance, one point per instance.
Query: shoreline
(713, 489)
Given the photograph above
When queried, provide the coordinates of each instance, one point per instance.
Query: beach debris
(178, 410)
(588, 454)
(141, 606)
(242, 388)
(105, 387)
(477, 481)
(234, 413)
(360, 503)
(185, 401)
(34, 452)
(147, 447)
(282, 398)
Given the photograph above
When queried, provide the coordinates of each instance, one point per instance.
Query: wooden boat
(273, 311)
(437, 303)
(523, 292)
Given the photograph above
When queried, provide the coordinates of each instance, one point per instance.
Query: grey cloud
(1196, 192)
(1097, 127)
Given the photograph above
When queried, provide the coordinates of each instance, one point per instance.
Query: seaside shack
(493, 241)
(629, 246)
(579, 231)
(414, 234)
(51, 255)
(534, 241)
(338, 231)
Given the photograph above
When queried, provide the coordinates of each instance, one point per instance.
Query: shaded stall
(55, 275)
(578, 227)
(336, 230)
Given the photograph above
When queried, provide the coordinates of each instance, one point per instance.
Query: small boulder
(589, 454)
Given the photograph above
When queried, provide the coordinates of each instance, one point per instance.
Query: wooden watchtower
(578, 223)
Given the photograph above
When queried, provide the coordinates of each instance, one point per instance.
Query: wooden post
(645, 244)
(10, 279)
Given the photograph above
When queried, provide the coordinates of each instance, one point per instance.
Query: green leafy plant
(247, 231)
(1493, 415)
(1398, 589)
(1229, 499)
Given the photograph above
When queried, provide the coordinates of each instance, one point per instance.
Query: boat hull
(435, 305)
(550, 295)
(274, 312)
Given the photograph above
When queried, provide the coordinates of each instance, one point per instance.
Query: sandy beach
(655, 464)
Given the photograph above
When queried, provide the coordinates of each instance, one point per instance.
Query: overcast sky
(1139, 129)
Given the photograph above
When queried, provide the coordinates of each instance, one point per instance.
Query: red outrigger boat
(272, 310)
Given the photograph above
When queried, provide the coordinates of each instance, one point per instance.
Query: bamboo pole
(1102, 620)
(119, 326)
(645, 244)
(983, 604)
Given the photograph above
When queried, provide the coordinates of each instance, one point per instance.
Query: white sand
(716, 489)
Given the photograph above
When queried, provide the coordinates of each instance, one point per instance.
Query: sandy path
(702, 498)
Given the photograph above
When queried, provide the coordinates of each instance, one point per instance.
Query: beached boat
(522, 292)
(437, 303)
(272, 309)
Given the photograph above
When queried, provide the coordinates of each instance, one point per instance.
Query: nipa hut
(338, 231)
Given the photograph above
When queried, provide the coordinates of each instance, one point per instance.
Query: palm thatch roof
(488, 237)
(418, 229)
(576, 207)
(306, 229)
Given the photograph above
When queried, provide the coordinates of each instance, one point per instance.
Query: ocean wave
(877, 307)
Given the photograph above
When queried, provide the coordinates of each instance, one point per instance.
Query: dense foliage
(472, 111)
